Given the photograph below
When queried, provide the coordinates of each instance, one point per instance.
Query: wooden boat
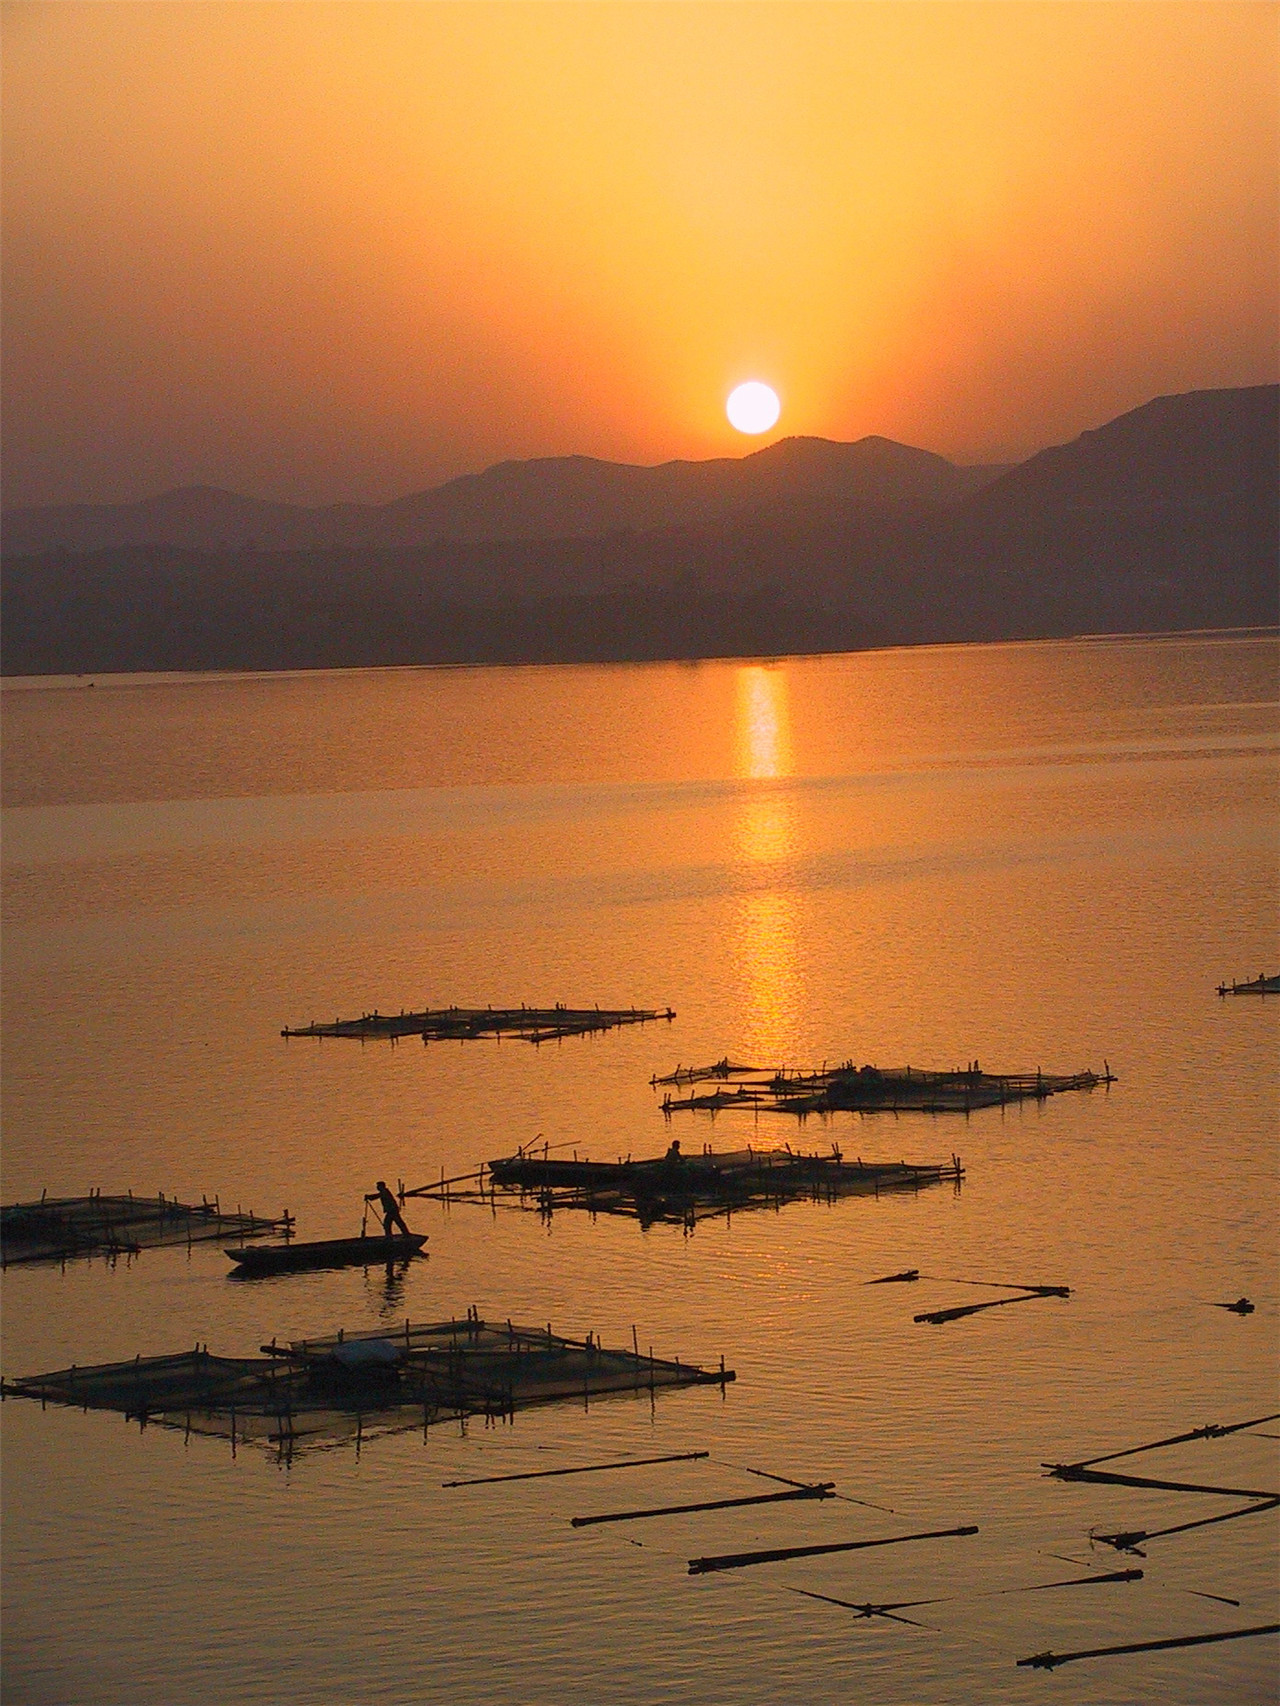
(325, 1253)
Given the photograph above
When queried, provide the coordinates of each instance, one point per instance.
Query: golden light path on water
(765, 840)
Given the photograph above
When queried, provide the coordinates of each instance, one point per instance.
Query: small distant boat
(1263, 984)
(325, 1253)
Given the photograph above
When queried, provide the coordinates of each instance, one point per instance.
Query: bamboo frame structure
(326, 1391)
(865, 1089)
(59, 1228)
(467, 1024)
(684, 1189)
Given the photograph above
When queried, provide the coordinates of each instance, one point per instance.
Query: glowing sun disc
(753, 407)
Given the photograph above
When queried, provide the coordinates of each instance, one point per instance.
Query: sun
(753, 407)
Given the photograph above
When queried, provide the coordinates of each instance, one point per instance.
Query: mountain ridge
(1165, 519)
(1159, 453)
(536, 498)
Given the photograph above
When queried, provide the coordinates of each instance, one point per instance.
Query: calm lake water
(1036, 855)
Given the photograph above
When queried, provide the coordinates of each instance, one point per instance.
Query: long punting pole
(1047, 1661)
(743, 1560)
(581, 1469)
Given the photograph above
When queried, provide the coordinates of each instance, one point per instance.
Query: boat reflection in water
(387, 1294)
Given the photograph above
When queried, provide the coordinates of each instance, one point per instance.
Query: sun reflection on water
(766, 920)
(763, 724)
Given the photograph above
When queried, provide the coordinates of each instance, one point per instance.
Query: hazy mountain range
(1164, 518)
(556, 497)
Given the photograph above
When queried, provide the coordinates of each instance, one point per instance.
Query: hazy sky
(319, 251)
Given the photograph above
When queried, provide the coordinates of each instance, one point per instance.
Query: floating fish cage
(59, 1228)
(467, 1024)
(332, 1390)
(684, 1189)
(864, 1089)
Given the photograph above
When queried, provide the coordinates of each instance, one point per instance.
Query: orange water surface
(1043, 855)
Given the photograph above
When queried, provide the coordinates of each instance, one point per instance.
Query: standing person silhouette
(391, 1215)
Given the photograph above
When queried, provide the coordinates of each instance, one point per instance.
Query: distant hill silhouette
(1163, 519)
(561, 497)
(1166, 517)
(1201, 447)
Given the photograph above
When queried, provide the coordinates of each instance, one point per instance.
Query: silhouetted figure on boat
(391, 1215)
(673, 1171)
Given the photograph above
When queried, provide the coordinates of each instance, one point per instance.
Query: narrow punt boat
(324, 1253)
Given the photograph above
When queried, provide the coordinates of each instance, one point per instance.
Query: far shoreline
(213, 677)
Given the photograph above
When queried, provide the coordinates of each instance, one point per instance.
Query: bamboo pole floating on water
(1134, 1539)
(1080, 1581)
(744, 1560)
(1049, 1661)
(819, 1490)
(1213, 1430)
(887, 1609)
(581, 1469)
(766, 1475)
(784, 1480)
(937, 1316)
(1106, 1477)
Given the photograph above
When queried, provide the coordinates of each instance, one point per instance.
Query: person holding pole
(391, 1215)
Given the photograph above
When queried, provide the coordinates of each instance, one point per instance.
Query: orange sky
(318, 251)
